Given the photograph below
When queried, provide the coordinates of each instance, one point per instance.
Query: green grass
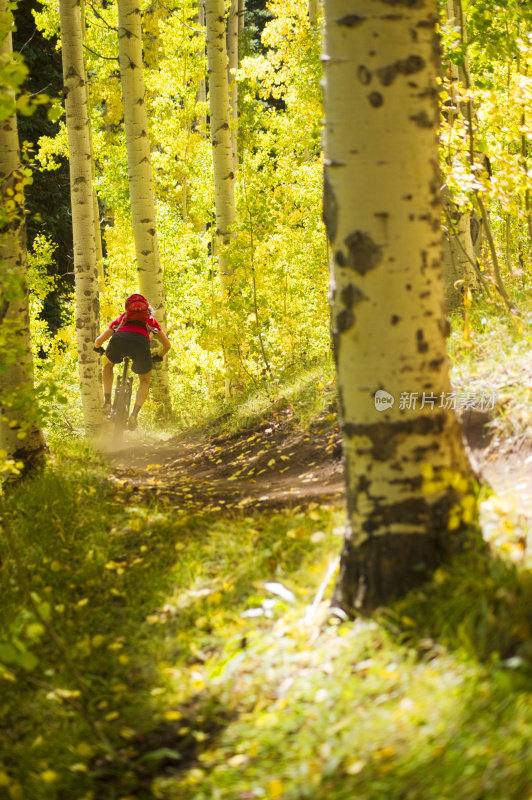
(186, 676)
(148, 654)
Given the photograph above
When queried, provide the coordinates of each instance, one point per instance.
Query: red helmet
(135, 298)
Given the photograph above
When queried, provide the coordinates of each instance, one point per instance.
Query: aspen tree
(224, 177)
(83, 224)
(460, 249)
(202, 88)
(96, 207)
(407, 474)
(141, 193)
(21, 438)
(232, 68)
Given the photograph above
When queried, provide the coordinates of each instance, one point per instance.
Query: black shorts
(134, 345)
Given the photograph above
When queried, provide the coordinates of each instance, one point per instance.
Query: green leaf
(8, 654)
(160, 755)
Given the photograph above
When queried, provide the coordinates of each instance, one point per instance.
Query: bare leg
(108, 376)
(142, 391)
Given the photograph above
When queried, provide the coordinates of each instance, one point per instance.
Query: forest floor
(166, 632)
(277, 463)
(272, 464)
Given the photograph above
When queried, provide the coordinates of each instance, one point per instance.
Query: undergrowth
(150, 655)
(144, 655)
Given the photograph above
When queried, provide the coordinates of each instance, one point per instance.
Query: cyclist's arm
(162, 338)
(103, 337)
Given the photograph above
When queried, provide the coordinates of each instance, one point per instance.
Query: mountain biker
(130, 336)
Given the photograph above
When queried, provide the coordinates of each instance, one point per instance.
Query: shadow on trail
(274, 464)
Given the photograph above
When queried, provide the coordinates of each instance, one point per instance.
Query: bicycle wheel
(122, 399)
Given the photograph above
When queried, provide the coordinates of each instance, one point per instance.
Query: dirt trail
(274, 464)
(277, 463)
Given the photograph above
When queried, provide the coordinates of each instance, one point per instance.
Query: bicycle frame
(122, 397)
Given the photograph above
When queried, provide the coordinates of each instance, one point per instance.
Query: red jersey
(135, 327)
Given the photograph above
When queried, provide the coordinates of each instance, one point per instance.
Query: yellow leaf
(16, 792)
(48, 776)
(354, 767)
(239, 760)
(275, 789)
(171, 716)
(271, 462)
(97, 640)
(385, 752)
(5, 780)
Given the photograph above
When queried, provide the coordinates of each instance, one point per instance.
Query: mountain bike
(121, 402)
(122, 397)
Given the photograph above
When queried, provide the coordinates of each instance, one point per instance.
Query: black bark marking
(406, 66)
(445, 327)
(339, 257)
(422, 345)
(395, 319)
(345, 320)
(351, 296)
(364, 75)
(386, 567)
(330, 209)
(363, 484)
(351, 21)
(363, 254)
(376, 99)
(436, 364)
(422, 120)
(406, 3)
(421, 452)
(386, 436)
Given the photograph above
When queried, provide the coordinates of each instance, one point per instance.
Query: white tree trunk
(232, 69)
(96, 208)
(460, 253)
(140, 175)
(241, 16)
(83, 223)
(382, 212)
(20, 435)
(202, 88)
(224, 177)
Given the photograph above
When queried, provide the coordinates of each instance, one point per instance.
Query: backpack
(137, 310)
